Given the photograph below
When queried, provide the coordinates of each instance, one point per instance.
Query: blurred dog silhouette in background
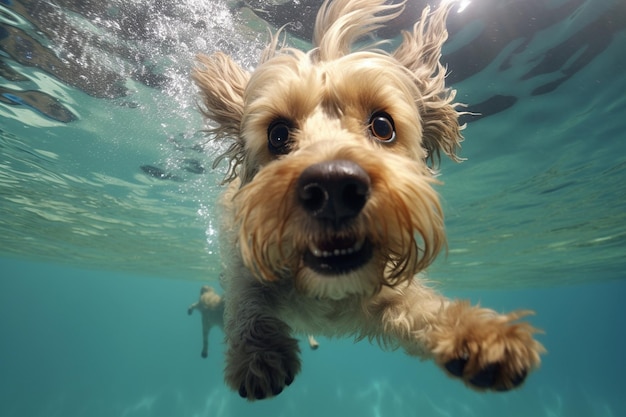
(211, 309)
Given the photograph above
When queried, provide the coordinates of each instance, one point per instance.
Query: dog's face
(336, 193)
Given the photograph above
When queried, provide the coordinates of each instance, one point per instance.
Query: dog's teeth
(319, 253)
(315, 251)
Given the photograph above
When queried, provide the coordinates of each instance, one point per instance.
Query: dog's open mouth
(338, 255)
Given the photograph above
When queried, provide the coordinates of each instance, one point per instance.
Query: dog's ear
(222, 83)
(340, 23)
(420, 52)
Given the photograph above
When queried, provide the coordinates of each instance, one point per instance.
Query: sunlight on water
(75, 193)
(127, 185)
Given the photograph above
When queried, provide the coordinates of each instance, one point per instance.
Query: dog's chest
(322, 317)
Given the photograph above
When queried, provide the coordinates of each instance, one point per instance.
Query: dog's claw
(259, 394)
(519, 379)
(486, 378)
(456, 366)
(289, 379)
(491, 376)
(515, 382)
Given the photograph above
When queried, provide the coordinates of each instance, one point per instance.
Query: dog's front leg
(487, 350)
(262, 357)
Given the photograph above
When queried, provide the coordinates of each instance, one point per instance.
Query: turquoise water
(107, 213)
(87, 343)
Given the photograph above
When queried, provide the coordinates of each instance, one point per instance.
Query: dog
(330, 218)
(210, 305)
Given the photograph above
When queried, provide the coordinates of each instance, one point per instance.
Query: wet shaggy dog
(330, 213)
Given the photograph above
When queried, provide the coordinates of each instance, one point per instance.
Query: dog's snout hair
(334, 191)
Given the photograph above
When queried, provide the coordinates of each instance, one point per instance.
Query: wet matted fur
(330, 213)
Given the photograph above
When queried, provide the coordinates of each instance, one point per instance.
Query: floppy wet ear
(420, 53)
(441, 129)
(222, 83)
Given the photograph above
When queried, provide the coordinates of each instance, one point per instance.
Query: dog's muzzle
(335, 192)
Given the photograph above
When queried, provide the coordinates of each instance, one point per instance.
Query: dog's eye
(278, 134)
(382, 128)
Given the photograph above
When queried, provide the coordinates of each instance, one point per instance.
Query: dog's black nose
(334, 190)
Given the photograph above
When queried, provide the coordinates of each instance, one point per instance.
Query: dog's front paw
(267, 374)
(259, 369)
(486, 350)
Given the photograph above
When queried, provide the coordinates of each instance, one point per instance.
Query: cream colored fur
(327, 99)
